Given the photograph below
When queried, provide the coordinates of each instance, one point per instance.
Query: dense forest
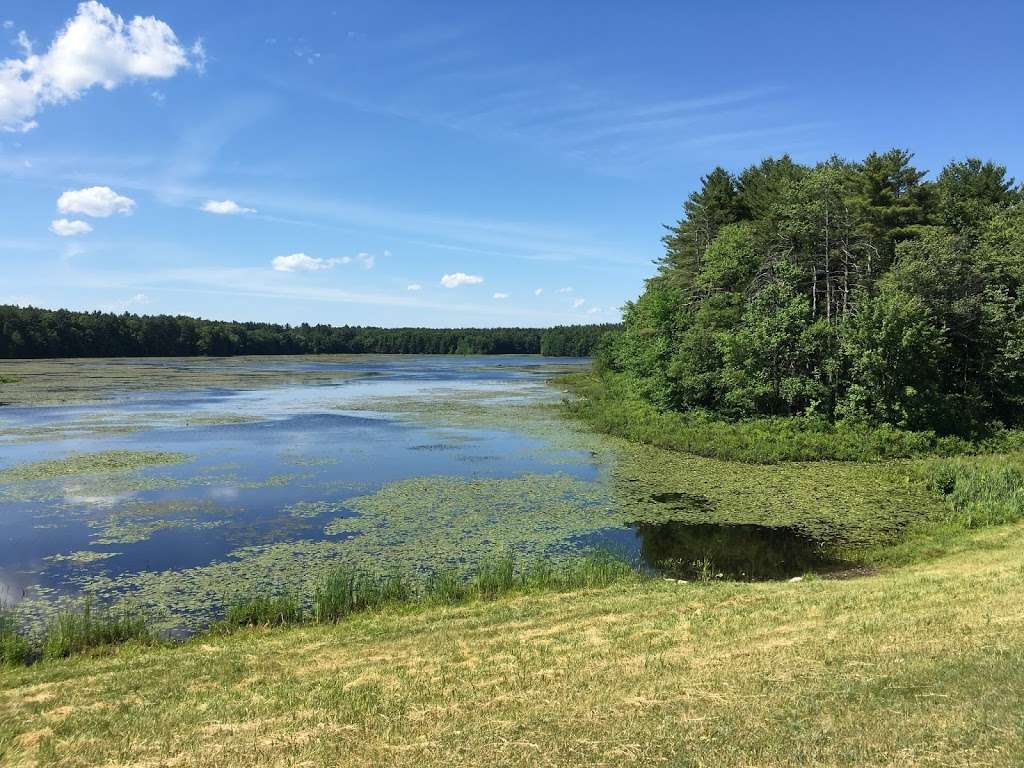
(37, 333)
(853, 291)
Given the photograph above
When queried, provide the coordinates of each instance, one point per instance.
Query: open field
(921, 666)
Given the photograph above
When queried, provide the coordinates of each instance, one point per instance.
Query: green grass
(608, 405)
(916, 666)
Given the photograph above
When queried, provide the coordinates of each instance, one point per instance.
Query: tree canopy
(35, 333)
(849, 290)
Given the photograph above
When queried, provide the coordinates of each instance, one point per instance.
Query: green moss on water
(90, 463)
(307, 509)
(82, 557)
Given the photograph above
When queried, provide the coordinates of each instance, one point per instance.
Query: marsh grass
(262, 612)
(980, 491)
(76, 631)
(349, 590)
(69, 632)
(15, 648)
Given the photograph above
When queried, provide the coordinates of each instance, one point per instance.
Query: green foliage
(36, 333)
(847, 291)
(610, 405)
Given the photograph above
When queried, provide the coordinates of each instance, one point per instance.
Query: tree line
(27, 332)
(847, 290)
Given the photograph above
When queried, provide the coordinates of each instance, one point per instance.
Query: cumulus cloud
(70, 228)
(460, 278)
(95, 48)
(538, 292)
(414, 287)
(225, 208)
(300, 262)
(501, 295)
(577, 303)
(98, 202)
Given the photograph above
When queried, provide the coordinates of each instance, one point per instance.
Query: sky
(443, 164)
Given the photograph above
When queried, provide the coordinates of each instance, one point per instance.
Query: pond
(182, 484)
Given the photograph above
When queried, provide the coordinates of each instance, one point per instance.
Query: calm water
(286, 479)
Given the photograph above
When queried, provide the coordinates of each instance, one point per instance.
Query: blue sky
(438, 164)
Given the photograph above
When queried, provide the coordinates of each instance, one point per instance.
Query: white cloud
(199, 58)
(225, 208)
(577, 303)
(8, 24)
(538, 292)
(95, 48)
(567, 289)
(69, 228)
(460, 278)
(414, 287)
(99, 202)
(501, 295)
(300, 262)
(593, 310)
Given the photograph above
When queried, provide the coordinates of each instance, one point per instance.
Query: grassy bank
(609, 405)
(921, 666)
(341, 593)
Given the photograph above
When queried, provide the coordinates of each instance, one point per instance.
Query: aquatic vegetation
(90, 463)
(313, 508)
(850, 505)
(41, 382)
(82, 557)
